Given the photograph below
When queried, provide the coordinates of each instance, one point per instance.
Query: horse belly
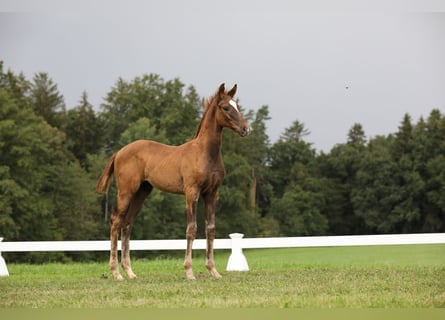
(161, 166)
(167, 181)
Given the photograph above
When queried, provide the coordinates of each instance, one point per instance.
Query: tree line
(51, 157)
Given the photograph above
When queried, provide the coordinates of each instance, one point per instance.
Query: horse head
(228, 112)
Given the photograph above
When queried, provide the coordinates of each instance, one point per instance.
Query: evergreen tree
(233, 212)
(16, 85)
(403, 138)
(84, 130)
(288, 151)
(376, 189)
(429, 146)
(405, 215)
(338, 171)
(47, 101)
(298, 202)
(356, 136)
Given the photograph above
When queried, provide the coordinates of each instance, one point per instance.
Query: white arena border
(237, 261)
(247, 243)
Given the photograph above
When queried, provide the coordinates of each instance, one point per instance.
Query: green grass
(352, 277)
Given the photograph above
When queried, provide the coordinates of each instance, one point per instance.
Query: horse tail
(105, 179)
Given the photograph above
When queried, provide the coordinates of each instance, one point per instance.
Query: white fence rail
(248, 243)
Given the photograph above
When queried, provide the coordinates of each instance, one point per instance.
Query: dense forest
(51, 157)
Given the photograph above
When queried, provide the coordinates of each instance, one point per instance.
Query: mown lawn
(352, 277)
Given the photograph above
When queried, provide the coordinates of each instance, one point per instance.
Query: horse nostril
(246, 130)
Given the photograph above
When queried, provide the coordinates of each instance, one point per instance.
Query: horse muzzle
(245, 131)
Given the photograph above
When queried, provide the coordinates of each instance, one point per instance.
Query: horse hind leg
(133, 210)
(116, 222)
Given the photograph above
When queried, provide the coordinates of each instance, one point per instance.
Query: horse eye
(226, 108)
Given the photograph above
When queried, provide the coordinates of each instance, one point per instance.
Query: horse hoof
(118, 277)
(131, 276)
(189, 275)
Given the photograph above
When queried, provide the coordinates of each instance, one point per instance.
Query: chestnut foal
(194, 169)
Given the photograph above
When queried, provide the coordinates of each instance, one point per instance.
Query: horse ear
(221, 89)
(232, 91)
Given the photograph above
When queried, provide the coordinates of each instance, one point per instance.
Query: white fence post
(3, 268)
(237, 260)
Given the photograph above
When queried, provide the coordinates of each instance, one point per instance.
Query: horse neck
(210, 134)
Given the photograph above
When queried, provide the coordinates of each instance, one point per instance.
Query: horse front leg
(191, 204)
(210, 208)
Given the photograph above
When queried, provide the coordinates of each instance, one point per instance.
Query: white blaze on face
(234, 105)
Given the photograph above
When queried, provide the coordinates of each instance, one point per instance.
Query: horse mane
(207, 106)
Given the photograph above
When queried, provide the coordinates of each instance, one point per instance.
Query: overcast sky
(328, 67)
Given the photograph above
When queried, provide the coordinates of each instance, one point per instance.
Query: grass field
(351, 277)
